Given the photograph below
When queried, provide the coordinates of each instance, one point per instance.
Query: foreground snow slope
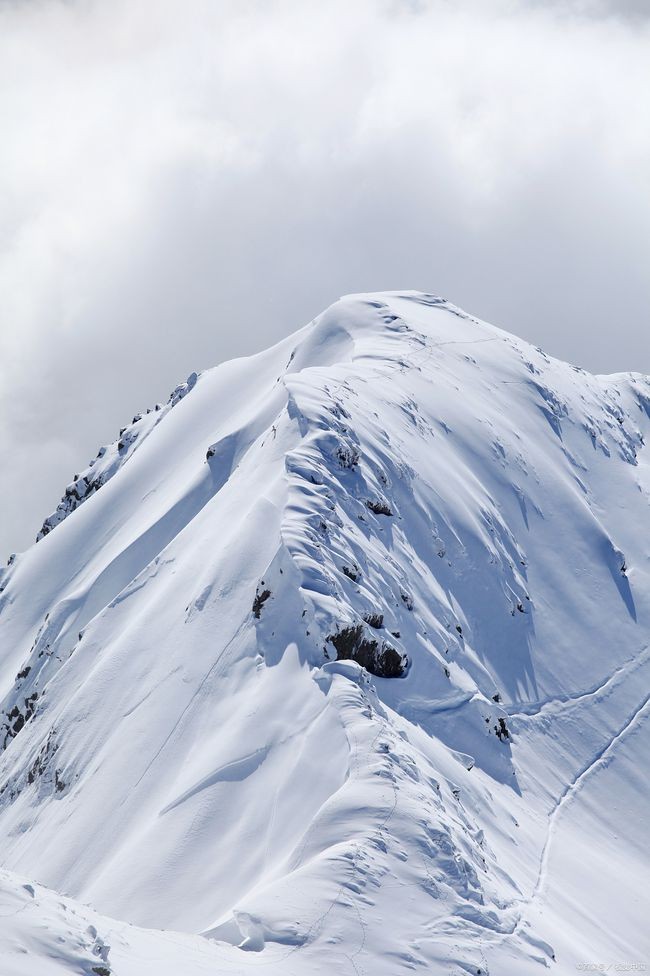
(397, 483)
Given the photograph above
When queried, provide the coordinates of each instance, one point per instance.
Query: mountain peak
(353, 631)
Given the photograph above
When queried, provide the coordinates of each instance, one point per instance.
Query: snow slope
(190, 740)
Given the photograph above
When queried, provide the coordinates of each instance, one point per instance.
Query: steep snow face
(348, 664)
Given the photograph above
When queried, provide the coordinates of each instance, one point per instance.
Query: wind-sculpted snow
(346, 670)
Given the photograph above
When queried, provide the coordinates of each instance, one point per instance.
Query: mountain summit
(339, 657)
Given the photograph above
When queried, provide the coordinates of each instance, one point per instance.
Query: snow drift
(339, 657)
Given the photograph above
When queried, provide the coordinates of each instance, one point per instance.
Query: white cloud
(181, 182)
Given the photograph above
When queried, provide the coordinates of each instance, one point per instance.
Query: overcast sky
(183, 181)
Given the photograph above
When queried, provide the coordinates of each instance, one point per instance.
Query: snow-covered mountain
(339, 657)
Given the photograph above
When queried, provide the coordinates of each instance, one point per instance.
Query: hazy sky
(182, 181)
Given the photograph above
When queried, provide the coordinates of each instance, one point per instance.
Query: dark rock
(502, 730)
(348, 457)
(374, 620)
(379, 507)
(259, 601)
(381, 660)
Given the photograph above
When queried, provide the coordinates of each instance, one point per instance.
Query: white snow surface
(190, 787)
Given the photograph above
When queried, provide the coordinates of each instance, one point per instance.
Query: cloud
(617, 9)
(185, 182)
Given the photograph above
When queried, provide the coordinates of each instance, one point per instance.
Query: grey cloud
(621, 9)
